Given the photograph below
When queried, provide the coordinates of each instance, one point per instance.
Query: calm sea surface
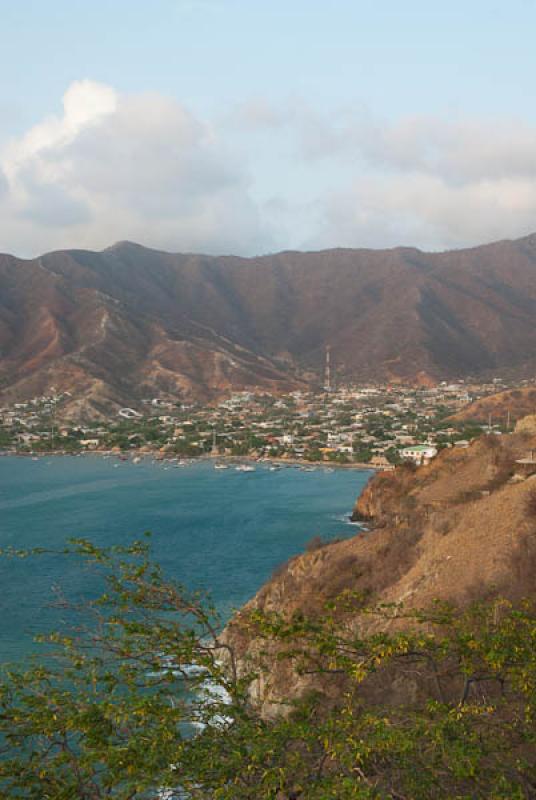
(223, 531)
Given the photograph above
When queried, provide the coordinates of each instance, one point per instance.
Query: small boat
(221, 466)
(245, 468)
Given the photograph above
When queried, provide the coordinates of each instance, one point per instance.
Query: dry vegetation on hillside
(510, 405)
(462, 528)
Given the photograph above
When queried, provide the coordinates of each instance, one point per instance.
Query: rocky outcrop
(459, 529)
(382, 499)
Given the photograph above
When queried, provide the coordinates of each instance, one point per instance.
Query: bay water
(222, 531)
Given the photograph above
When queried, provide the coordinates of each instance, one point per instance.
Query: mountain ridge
(528, 237)
(116, 325)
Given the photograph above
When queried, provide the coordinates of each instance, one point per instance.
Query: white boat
(245, 468)
(221, 466)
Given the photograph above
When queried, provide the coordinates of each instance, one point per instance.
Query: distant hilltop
(129, 322)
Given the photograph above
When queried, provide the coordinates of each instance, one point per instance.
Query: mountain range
(129, 322)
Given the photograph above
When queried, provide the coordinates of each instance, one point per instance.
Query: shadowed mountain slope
(128, 322)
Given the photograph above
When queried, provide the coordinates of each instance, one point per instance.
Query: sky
(253, 126)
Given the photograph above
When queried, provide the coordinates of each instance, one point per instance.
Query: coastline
(130, 455)
(297, 462)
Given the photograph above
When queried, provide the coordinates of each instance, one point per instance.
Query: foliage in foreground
(136, 704)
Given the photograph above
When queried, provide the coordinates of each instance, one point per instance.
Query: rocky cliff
(461, 528)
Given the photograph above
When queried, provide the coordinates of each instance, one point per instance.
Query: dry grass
(523, 563)
(530, 504)
(316, 543)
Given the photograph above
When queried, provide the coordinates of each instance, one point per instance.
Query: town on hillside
(373, 425)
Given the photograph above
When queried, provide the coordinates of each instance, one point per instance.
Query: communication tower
(327, 378)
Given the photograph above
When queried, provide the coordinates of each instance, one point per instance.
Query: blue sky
(272, 125)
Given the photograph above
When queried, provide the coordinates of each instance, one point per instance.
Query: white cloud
(432, 183)
(425, 181)
(143, 167)
(85, 103)
(125, 167)
(460, 151)
(425, 211)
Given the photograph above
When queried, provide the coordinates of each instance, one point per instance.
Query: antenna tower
(327, 379)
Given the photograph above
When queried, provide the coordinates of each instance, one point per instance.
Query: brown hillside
(461, 528)
(512, 404)
(117, 325)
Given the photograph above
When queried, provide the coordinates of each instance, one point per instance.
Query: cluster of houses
(379, 425)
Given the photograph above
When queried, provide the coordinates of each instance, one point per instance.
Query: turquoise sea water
(222, 531)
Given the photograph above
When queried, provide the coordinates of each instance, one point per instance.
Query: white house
(286, 439)
(128, 413)
(419, 453)
(91, 444)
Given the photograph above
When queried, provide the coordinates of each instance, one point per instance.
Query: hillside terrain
(460, 529)
(504, 407)
(128, 322)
